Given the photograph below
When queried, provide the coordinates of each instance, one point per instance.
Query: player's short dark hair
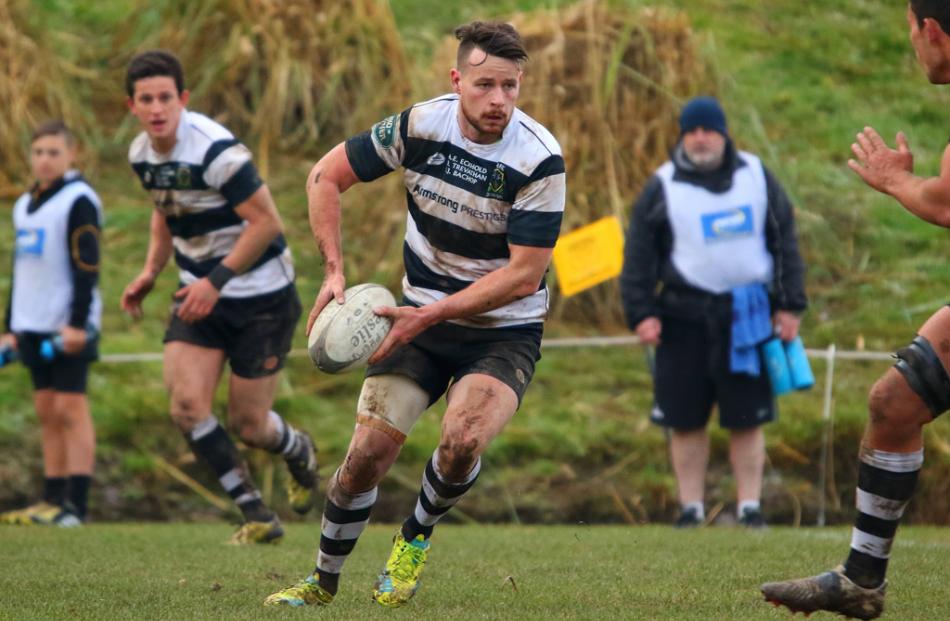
(493, 38)
(53, 128)
(151, 64)
(938, 10)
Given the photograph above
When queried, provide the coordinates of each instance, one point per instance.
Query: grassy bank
(797, 80)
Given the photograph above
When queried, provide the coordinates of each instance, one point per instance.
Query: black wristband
(220, 275)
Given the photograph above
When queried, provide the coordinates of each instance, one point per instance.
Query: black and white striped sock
(211, 442)
(289, 443)
(436, 498)
(886, 483)
(345, 516)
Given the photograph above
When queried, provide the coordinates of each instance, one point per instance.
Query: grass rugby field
(184, 571)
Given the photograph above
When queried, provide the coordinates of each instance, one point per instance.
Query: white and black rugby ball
(345, 335)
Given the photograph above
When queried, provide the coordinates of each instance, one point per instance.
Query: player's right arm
(891, 171)
(159, 252)
(328, 179)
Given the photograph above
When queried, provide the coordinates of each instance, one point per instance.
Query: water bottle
(776, 362)
(53, 346)
(802, 377)
(8, 355)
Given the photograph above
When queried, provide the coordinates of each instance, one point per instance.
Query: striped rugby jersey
(196, 187)
(467, 201)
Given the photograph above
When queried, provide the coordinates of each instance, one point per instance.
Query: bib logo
(29, 242)
(385, 131)
(183, 177)
(735, 223)
(496, 185)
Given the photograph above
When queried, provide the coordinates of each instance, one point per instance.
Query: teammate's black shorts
(447, 351)
(692, 373)
(64, 373)
(255, 333)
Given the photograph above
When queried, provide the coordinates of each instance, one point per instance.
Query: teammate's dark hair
(152, 64)
(53, 128)
(493, 38)
(938, 10)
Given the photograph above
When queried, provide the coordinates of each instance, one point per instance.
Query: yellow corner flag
(589, 255)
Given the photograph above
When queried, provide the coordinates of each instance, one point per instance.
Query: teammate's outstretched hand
(135, 292)
(880, 166)
(197, 300)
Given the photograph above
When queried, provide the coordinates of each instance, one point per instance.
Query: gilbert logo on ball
(345, 335)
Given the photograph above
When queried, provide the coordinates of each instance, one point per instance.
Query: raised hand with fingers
(881, 167)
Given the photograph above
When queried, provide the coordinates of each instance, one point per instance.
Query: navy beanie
(703, 112)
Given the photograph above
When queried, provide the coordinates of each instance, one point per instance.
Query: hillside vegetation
(798, 81)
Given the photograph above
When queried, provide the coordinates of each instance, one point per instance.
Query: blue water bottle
(776, 361)
(8, 355)
(802, 377)
(53, 346)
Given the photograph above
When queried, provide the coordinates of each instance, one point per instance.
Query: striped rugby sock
(886, 483)
(436, 498)
(345, 516)
(211, 442)
(288, 442)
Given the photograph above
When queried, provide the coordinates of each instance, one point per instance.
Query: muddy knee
(186, 412)
(457, 456)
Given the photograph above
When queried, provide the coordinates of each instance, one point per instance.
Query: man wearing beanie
(711, 269)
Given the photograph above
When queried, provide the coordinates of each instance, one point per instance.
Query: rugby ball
(345, 335)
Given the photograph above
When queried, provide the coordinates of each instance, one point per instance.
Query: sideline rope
(552, 343)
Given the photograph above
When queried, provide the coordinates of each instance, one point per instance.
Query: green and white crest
(385, 131)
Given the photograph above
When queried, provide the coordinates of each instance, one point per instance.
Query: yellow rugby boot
(257, 532)
(399, 580)
(25, 516)
(302, 483)
(307, 592)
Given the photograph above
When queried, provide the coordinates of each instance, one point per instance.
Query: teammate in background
(486, 191)
(54, 291)
(237, 300)
(717, 230)
(908, 396)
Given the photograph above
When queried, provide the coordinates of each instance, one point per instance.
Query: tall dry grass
(37, 83)
(282, 74)
(608, 81)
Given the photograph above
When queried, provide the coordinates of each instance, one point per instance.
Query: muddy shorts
(255, 333)
(446, 352)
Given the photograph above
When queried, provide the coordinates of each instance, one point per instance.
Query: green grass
(149, 571)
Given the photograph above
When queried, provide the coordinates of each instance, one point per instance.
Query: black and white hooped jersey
(197, 186)
(467, 201)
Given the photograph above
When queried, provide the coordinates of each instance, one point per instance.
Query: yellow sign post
(589, 255)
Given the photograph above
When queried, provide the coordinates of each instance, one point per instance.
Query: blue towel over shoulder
(751, 324)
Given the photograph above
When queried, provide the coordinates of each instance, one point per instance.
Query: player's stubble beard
(706, 160)
(480, 127)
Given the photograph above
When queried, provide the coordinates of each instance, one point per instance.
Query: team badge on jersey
(728, 224)
(385, 131)
(496, 185)
(29, 242)
(183, 177)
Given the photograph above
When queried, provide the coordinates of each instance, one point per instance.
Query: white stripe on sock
(893, 462)
(877, 547)
(233, 478)
(203, 428)
(243, 499)
(330, 563)
(332, 530)
(878, 506)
